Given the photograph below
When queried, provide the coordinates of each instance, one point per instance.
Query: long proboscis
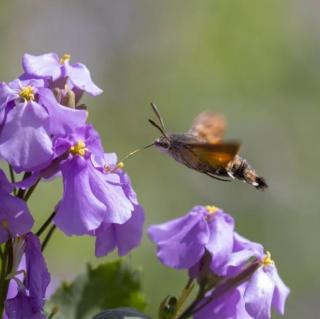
(136, 151)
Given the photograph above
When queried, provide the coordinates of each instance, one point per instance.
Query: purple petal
(4, 183)
(90, 198)
(20, 307)
(79, 76)
(281, 292)
(127, 187)
(234, 264)
(228, 306)
(29, 181)
(105, 239)
(79, 211)
(24, 139)
(129, 234)
(181, 242)
(110, 190)
(15, 215)
(241, 243)
(13, 284)
(7, 94)
(258, 295)
(221, 227)
(110, 159)
(45, 65)
(38, 277)
(63, 119)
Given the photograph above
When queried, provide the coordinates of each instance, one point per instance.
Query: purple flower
(50, 66)
(15, 218)
(126, 236)
(38, 277)
(29, 299)
(229, 306)
(265, 289)
(91, 196)
(20, 307)
(123, 237)
(24, 139)
(182, 242)
(254, 297)
(30, 117)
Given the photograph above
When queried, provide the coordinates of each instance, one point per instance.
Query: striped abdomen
(240, 169)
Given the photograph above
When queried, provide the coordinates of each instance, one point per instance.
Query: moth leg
(231, 175)
(216, 177)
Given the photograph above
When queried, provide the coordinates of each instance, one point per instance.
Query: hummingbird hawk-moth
(202, 148)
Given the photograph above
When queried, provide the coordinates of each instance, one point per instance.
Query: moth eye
(162, 143)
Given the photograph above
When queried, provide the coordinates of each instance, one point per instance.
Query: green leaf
(121, 313)
(107, 286)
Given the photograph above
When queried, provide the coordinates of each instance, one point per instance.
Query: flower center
(27, 93)
(65, 58)
(211, 209)
(267, 261)
(78, 148)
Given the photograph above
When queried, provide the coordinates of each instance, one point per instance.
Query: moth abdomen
(240, 169)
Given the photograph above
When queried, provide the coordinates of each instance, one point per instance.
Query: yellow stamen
(108, 169)
(211, 209)
(65, 58)
(120, 165)
(267, 261)
(79, 148)
(27, 93)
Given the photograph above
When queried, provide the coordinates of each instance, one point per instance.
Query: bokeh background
(257, 62)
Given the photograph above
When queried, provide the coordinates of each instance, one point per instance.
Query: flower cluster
(43, 134)
(236, 277)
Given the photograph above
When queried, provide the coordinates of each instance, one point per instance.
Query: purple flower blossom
(91, 196)
(20, 307)
(15, 218)
(124, 236)
(50, 66)
(254, 297)
(182, 242)
(24, 139)
(229, 306)
(30, 115)
(38, 277)
(29, 299)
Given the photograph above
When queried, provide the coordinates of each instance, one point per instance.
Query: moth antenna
(158, 127)
(156, 111)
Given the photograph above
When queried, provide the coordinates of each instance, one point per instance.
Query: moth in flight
(203, 149)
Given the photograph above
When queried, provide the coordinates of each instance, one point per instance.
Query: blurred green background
(257, 62)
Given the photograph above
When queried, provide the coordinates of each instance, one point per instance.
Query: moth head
(162, 143)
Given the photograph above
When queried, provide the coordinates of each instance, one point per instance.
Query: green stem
(5, 269)
(12, 178)
(47, 238)
(21, 191)
(189, 310)
(1, 254)
(45, 224)
(30, 190)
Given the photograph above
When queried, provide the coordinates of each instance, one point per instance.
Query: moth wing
(209, 127)
(217, 155)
